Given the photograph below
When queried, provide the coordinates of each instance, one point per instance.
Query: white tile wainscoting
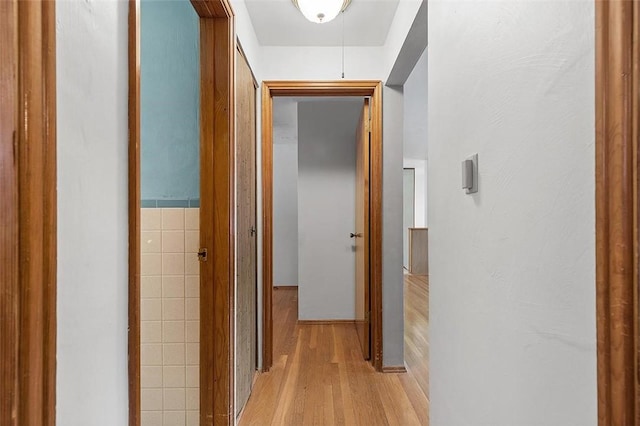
(170, 316)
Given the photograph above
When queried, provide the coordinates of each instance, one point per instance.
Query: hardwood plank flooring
(416, 328)
(319, 377)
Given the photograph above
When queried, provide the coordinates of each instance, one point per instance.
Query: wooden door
(246, 232)
(362, 231)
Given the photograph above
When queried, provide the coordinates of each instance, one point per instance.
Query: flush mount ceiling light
(321, 11)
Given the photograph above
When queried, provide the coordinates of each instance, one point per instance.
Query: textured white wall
(92, 380)
(513, 339)
(247, 37)
(398, 33)
(392, 275)
(326, 208)
(321, 63)
(285, 213)
(285, 191)
(415, 112)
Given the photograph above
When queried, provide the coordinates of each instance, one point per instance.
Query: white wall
(513, 338)
(285, 214)
(326, 208)
(415, 112)
(92, 380)
(321, 63)
(285, 192)
(247, 37)
(392, 275)
(398, 33)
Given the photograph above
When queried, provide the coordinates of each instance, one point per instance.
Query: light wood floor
(416, 328)
(320, 378)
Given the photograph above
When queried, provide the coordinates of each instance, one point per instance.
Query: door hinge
(367, 316)
(202, 255)
(367, 126)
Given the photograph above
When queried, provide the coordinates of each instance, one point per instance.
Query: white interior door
(326, 208)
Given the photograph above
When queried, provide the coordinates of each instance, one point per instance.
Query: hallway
(320, 378)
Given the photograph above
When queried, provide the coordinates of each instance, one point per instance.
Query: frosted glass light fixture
(321, 11)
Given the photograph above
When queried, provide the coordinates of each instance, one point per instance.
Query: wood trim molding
(28, 223)
(322, 88)
(285, 287)
(394, 369)
(217, 134)
(134, 213)
(50, 249)
(617, 212)
(213, 8)
(9, 219)
(267, 228)
(375, 221)
(217, 187)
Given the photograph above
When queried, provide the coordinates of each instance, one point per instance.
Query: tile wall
(170, 316)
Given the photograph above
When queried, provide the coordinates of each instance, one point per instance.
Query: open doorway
(361, 89)
(181, 209)
(315, 368)
(415, 225)
(319, 236)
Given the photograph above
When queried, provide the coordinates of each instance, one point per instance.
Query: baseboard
(394, 369)
(285, 287)
(326, 322)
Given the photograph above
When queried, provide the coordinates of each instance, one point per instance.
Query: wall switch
(470, 174)
(467, 174)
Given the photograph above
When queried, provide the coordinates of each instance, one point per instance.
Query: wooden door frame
(617, 210)
(217, 141)
(28, 221)
(271, 89)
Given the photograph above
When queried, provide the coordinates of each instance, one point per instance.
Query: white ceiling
(279, 23)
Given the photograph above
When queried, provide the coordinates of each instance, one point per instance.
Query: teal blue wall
(170, 90)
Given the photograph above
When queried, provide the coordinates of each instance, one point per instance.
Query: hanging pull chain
(342, 43)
